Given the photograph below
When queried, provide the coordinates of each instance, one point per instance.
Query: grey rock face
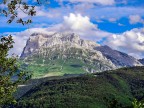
(141, 61)
(118, 58)
(65, 45)
(38, 40)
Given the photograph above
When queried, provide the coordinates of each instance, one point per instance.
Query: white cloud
(112, 19)
(114, 12)
(131, 42)
(119, 24)
(78, 22)
(41, 11)
(82, 26)
(2, 6)
(50, 13)
(83, 6)
(135, 19)
(101, 2)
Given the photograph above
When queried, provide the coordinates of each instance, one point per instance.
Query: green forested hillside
(112, 89)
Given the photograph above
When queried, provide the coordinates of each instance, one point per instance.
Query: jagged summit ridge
(39, 40)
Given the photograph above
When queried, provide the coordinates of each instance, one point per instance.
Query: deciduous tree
(10, 73)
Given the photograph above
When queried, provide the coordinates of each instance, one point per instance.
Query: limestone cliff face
(67, 45)
(38, 41)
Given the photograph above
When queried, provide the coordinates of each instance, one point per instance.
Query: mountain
(110, 89)
(60, 53)
(141, 61)
(65, 53)
(118, 58)
(39, 41)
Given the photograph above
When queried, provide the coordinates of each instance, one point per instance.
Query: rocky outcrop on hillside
(141, 61)
(119, 59)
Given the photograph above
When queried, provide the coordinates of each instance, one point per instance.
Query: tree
(137, 104)
(12, 7)
(10, 73)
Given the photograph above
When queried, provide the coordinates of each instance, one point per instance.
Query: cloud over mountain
(131, 42)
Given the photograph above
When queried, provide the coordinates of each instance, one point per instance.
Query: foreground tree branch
(10, 73)
(11, 9)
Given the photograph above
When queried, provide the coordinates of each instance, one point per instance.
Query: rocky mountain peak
(40, 40)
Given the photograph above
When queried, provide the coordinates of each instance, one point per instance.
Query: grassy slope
(57, 63)
(114, 88)
(56, 67)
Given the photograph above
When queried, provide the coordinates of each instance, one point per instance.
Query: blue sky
(110, 22)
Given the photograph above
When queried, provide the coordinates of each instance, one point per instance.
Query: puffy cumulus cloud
(101, 2)
(81, 25)
(131, 42)
(76, 22)
(133, 19)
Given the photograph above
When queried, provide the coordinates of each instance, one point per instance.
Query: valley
(110, 89)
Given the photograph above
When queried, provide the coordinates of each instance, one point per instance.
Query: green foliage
(57, 67)
(12, 7)
(10, 73)
(114, 89)
(137, 104)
